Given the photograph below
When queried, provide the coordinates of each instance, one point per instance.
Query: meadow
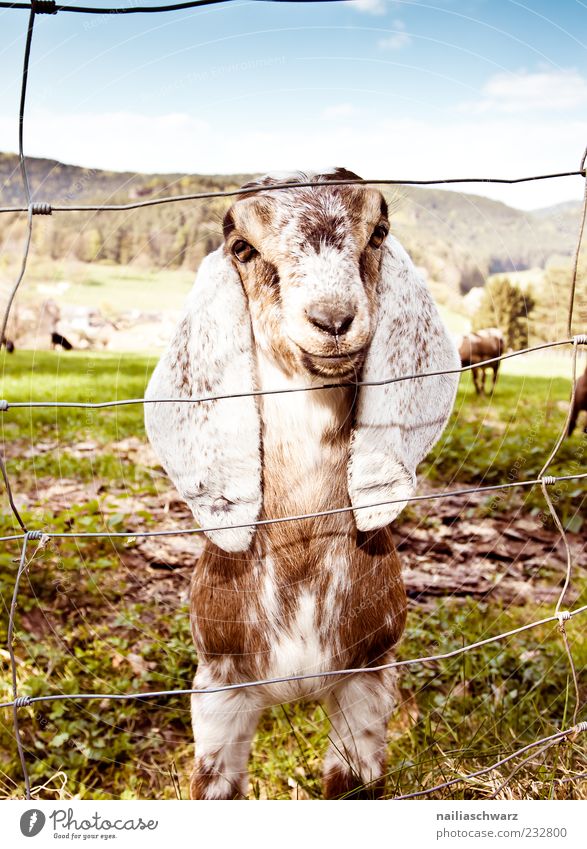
(109, 287)
(100, 615)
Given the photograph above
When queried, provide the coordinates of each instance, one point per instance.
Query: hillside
(461, 239)
(458, 238)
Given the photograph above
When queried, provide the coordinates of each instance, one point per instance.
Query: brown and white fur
(308, 289)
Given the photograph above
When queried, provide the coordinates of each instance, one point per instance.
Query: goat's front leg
(224, 724)
(359, 709)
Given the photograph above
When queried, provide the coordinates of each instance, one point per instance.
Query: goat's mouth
(333, 365)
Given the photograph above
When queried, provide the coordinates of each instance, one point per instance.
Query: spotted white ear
(211, 450)
(397, 424)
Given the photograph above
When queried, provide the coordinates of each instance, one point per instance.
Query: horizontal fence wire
(49, 7)
(25, 701)
(43, 208)
(43, 537)
(549, 741)
(431, 496)
(580, 339)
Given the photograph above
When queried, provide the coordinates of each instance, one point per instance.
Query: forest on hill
(459, 239)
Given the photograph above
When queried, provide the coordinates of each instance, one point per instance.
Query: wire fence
(42, 537)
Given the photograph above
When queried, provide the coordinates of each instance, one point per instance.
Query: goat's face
(309, 261)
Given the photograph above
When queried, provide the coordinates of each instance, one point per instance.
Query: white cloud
(339, 110)
(376, 146)
(114, 140)
(531, 91)
(395, 40)
(373, 7)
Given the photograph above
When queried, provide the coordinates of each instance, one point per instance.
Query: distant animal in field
(91, 329)
(308, 287)
(8, 344)
(58, 339)
(580, 403)
(480, 346)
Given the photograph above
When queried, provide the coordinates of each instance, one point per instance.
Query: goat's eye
(243, 251)
(378, 235)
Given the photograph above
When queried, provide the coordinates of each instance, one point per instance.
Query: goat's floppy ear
(211, 450)
(396, 424)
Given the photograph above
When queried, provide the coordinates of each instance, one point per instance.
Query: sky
(389, 89)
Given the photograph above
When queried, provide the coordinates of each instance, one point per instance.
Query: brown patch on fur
(228, 225)
(182, 363)
(225, 616)
(321, 230)
(369, 264)
(266, 311)
(201, 779)
(340, 174)
(267, 276)
(264, 212)
(342, 784)
(369, 269)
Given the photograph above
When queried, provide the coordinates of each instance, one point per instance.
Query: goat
(58, 339)
(580, 402)
(308, 288)
(477, 347)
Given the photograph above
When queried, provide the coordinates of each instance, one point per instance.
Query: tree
(88, 245)
(549, 319)
(504, 305)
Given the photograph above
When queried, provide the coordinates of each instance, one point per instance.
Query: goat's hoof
(204, 785)
(339, 784)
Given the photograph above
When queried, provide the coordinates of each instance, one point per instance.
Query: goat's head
(311, 277)
(309, 261)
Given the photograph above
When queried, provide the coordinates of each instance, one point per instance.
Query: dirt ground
(447, 546)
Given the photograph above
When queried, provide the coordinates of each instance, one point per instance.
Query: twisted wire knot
(580, 339)
(548, 480)
(3, 405)
(22, 701)
(40, 208)
(581, 726)
(563, 616)
(44, 7)
(35, 535)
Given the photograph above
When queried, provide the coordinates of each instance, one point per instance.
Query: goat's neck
(305, 438)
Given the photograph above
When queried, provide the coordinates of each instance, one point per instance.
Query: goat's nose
(332, 319)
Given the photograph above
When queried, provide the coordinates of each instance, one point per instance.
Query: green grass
(93, 617)
(74, 376)
(111, 288)
(508, 437)
(545, 363)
